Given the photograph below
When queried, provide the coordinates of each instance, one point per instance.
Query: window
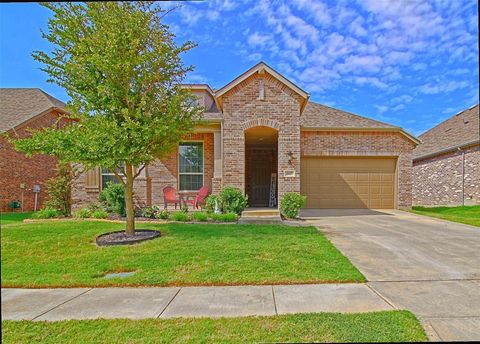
(108, 176)
(190, 166)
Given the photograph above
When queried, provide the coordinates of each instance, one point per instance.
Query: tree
(122, 69)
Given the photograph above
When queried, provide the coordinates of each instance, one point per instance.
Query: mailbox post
(36, 189)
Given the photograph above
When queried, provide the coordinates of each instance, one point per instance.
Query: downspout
(463, 175)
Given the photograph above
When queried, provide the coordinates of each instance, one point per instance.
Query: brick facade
(16, 168)
(356, 143)
(148, 186)
(280, 109)
(438, 179)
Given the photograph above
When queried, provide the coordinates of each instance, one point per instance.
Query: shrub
(113, 197)
(100, 214)
(200, 216)
(82, 213)
(228, 217)
(291, 204)
(164, 214)
(46, 213)
(14, 204)
(210, 203)
(93, 207)
(233, 200)
(59, 190)
(181, 216)
(150, 212)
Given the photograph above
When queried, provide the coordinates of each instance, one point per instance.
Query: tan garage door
(341, 182)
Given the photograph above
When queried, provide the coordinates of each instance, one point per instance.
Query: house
(263, 135)
(21, 109)
(446, 165)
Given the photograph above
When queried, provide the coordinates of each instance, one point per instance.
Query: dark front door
(261, 168)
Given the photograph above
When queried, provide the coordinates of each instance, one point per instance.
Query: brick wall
(438, 180)
(280, 109)
(16, 168)
(148, 189)
(348, 143)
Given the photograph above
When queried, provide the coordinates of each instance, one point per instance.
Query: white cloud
(443, 87)
(372, 81)
(257, 39)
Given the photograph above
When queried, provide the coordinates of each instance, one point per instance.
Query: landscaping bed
(64, 254)
(389, 326)
(469, 215)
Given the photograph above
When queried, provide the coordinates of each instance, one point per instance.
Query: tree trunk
(130, 210)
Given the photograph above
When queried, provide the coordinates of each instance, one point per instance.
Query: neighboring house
(261, 124)
(21, 109)
(446, 164)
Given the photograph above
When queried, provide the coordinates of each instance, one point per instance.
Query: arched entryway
(261, 161)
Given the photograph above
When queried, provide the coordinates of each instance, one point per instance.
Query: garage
(348, 182)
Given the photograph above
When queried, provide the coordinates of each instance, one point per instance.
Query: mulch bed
(121, 238)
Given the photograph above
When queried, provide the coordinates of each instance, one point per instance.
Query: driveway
(426, 265)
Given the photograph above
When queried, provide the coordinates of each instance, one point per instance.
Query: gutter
(447, 150)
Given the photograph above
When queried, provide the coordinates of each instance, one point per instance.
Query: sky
(411, 63)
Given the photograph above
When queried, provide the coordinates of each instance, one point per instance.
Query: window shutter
(92, 183)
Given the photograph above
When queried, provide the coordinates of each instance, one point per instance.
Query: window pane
(190, 157)
(106, 178)
(192, 182)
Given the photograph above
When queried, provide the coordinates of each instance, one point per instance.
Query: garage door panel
(347, 182)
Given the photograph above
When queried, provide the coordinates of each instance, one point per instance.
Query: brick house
(446, 165)
(21, 109)
(263, 135)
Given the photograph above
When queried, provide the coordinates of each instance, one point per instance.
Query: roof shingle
(459, 129)
(18, 105)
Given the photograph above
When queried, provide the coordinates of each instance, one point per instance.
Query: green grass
(389, 326)
(9, 218)
(469, 215)
(63, 254)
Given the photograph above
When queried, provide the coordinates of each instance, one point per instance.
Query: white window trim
(190, 173)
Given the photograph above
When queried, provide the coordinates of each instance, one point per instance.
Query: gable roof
(18, 105)
(260, 68)
(459, 130)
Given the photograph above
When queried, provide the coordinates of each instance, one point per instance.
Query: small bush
(93, 207)
(200, 216)
(59, 190)
(291, 204)
(150, 212)
(233, 200)
(113, 197)
(82, 213)
(46, 213)
(164, 214)
(180, 216)
(228, 217)
(210, 203)
(100, 214)
(14, 205)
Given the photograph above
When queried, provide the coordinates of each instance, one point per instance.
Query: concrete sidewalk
(231, 301)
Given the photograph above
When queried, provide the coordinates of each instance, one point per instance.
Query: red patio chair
(199, 199)
(170, 196)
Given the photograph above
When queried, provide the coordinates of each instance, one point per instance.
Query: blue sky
(409, 63)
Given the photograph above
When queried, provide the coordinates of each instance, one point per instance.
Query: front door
(260, 173)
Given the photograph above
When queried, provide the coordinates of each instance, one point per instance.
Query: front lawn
(469, 215)
(9, 218)
(63, 254)
(389, 326)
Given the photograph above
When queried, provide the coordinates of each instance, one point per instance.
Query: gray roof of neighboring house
(458, 130)
(317, 116)
(18, 105)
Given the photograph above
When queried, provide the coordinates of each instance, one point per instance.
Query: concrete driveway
(429, 266)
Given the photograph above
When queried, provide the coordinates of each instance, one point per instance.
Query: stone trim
(257, 122)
